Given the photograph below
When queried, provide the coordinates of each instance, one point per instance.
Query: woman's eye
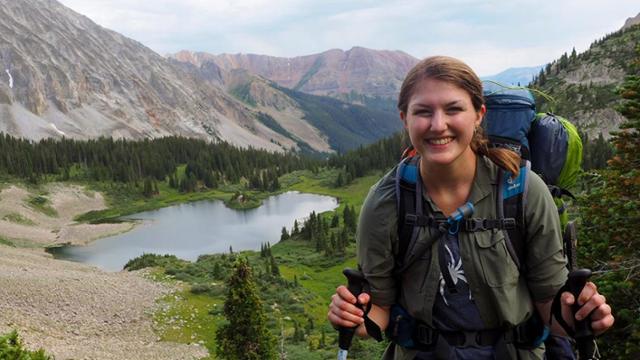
(454, 110)
(422, 113)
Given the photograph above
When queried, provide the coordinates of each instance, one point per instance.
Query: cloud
(489, 34)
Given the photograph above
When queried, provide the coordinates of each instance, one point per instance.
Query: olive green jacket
(503, 295)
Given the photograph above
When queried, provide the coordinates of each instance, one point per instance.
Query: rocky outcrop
(631, 22)
(584, 85)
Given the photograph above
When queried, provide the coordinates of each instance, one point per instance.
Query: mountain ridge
(584, 86)
(68, 76)
(515, 76)
(335, 72)
(63, 75)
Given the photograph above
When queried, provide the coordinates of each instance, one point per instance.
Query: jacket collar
(483, 183)
(485, 180)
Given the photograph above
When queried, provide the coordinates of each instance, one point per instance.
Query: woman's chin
(438, 159)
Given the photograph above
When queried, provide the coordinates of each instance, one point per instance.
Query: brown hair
(454, 71)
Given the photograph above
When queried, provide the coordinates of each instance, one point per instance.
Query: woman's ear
(403, 118)
(481, 113)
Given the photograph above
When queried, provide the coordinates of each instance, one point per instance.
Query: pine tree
(609, 234)
(147, 189)
(335, 221)
(542, 79)
(275, 270)
(349, 215)
(284, 234)
(298, 334)
(267, 249)
(295, 230)
(310, 325)
(245, 335)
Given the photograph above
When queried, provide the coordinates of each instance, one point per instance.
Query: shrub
(150, 260)
(11, 348)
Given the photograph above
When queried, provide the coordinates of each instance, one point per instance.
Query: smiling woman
(448, 290)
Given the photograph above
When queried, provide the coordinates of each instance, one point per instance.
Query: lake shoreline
(205, 227)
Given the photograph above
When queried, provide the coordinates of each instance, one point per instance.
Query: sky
(490, 35)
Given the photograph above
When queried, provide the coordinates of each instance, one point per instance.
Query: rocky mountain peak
(63, 75)
(631, 21)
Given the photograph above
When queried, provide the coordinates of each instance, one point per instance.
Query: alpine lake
(203, 227)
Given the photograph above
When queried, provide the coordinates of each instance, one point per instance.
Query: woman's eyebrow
(455, 102)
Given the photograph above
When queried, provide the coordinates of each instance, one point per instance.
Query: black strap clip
(509, 223)
(417, 220)
(475, 224)
(425, 335)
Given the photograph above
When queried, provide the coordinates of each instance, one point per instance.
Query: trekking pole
(355, 279)
(584, 335)
(585, 339)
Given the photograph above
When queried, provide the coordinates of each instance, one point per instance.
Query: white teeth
(441, 141)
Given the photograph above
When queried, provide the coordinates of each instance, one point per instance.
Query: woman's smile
(440, 141)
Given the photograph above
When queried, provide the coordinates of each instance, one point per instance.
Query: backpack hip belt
(529, 334)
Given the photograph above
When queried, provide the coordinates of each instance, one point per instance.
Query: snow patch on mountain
(10, 78)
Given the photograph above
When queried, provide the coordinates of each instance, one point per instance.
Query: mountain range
(68, 76)
(64, 75)
(334, 72)
(515, 76)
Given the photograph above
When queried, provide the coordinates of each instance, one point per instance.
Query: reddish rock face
(333, 72)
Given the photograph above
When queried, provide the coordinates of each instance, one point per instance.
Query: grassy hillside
(296, 298)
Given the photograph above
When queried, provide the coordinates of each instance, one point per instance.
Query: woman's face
(440, 120)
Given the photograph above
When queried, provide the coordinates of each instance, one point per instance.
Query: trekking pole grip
(355, 280)
(583, 333)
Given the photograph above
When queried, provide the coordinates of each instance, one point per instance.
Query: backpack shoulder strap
(409, 205)
(511, 203)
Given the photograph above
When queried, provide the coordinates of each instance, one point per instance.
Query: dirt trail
(41, 229)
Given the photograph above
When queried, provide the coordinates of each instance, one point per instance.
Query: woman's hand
(592, 303)
(343, 311)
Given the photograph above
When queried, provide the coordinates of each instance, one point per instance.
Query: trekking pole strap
(582, 329)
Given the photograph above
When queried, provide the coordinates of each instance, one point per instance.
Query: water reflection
(204, 227)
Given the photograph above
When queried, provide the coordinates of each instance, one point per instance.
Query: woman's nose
(438, 121)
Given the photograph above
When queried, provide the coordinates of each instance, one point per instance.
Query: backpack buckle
(509, 223)
(475, 224)
(425, 335)
(471, 338)
(519, 335)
